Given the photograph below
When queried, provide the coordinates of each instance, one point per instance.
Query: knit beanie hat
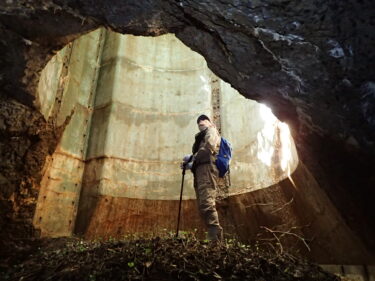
(203, 117)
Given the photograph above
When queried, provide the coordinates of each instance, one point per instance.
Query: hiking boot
(215, 233)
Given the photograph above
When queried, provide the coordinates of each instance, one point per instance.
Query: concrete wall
(66, 90)
(135, 102)
(149, 93)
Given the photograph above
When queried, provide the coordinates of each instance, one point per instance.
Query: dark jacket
(206, 147)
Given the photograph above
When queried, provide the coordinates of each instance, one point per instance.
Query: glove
(187, 163)
(187, 158)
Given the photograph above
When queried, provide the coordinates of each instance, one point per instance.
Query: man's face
(203, 124)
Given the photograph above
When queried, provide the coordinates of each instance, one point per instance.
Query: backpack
(223, 158)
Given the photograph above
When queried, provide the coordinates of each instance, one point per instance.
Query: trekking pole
(179, 208)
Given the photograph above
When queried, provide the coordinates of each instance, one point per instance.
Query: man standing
(206, 174)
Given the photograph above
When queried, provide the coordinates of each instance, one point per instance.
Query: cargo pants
(205, 185)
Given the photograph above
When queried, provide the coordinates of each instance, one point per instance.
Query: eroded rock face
(26, 140)
(310, 61)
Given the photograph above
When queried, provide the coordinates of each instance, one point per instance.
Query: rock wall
(21, 144)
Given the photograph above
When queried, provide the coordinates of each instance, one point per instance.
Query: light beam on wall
(266, 136)
(266, 140)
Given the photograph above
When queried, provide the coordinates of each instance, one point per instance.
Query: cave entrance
(133, 103)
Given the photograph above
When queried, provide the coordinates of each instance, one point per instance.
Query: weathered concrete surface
(311, 61)
(141, 114)
(67, 89)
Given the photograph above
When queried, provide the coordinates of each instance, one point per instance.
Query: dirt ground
(158, 258)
